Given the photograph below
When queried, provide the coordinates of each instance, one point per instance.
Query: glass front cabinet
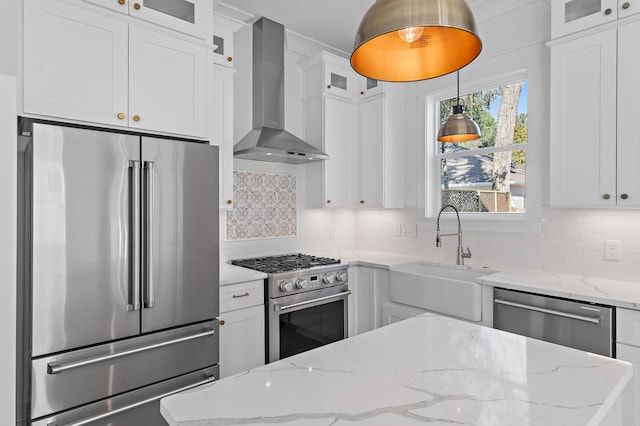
(570, 16)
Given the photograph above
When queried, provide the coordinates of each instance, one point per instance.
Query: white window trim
(528, 222)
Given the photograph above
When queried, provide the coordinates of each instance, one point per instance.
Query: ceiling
(331, 22)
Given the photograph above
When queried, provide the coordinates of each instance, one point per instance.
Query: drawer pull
(238, 296)
(222, 322)
(607, 11)
(54, 368)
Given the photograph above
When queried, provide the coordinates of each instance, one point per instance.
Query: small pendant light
(458, 127)
(410, 40)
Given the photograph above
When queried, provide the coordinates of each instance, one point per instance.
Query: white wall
(8, 178)
(557, 240)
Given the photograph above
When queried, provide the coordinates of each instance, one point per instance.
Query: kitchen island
(427, 369)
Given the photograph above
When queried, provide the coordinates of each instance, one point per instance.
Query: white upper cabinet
(75, 63)
(82, 63)
(570, 16)
(191, 17)
(595, 135)
(369, 88)
(222, 130)
(331, 125)
(223, 30)
(167, 81)
(381, 152)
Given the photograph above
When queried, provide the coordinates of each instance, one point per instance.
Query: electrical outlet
(332, 235)
(409, 229)
(611, 250)
(397, 230)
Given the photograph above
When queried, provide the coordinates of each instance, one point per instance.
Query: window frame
(515, 222)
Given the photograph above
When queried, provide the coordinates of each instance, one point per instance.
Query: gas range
(306, 302)
(297, 272)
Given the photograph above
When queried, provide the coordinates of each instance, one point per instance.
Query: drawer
(628, 326)
(241, 295)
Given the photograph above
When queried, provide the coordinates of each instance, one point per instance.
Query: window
(487, 175)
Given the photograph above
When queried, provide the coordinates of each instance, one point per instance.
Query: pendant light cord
(458, 85)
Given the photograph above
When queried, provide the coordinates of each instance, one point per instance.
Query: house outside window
(487, 175)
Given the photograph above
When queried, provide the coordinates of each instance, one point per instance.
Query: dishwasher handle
(548, 311)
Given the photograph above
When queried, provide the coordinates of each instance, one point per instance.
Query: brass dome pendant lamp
(458, 127)
(410, 40)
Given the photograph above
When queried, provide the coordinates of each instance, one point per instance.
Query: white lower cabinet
(369, 291)
(628, 349)
(242, 332)
(394, 312)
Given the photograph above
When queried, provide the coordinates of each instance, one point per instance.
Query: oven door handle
(279, 308)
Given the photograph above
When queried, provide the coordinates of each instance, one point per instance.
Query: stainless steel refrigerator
(118, 273)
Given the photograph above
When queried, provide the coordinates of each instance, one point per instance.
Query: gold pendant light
(410, 40)
(458, 127)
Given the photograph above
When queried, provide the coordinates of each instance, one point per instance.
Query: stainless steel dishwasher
(581, 325)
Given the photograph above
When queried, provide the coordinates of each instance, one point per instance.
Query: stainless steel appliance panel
(82, 260)
(581, 325)
(180, 205)
(305, 321)
(140, 407)
(68, 380)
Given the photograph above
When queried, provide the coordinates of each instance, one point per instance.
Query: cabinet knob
(121, 116)
(607, 11)
(136, 6)
(606, 196)
(122, 1)
(361, 201)
(328, 201)
(221, 322)
(136, 118)
(626, 5)
(362, 92)
(229, 59)
(624, 196)
(328, 86)
(229, 202)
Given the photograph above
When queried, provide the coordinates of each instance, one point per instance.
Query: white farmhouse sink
(443, 289)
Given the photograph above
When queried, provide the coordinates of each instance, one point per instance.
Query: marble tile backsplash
(265, 206)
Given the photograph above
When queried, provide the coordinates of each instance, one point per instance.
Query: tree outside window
(488, 175)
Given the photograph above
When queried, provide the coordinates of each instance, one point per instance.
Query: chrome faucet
(461, 254)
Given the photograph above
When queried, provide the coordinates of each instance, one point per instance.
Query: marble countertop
(623, 294)
(231, 274)
(427, 369)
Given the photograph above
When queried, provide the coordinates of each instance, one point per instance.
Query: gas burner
(284, 263)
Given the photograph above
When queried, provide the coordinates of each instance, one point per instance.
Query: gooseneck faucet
(461, 254)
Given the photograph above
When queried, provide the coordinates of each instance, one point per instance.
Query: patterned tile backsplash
(264, 207)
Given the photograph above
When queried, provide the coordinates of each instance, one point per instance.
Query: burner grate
(284, 263)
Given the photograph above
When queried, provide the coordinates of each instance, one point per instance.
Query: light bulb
(410, 34)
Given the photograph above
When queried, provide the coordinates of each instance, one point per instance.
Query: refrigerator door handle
(134, 236)
(147, 233)
(54, 368)
(89, 420)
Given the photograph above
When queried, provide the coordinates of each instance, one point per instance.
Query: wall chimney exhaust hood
(268, 141)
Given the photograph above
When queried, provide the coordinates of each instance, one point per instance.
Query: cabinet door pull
(121, 115)
(229, 59)
(606, 196)
(136, 6)
(222, 322)
(136, 118)
(328, 201)
(361, 201)
(229, 202)
(607, 11)
(626, 5)
(624, 196)
(122, 2)
(238, 296)
(328, 86)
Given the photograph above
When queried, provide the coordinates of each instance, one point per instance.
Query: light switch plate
(612, 250)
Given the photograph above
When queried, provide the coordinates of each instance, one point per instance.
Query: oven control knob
(286, 286)
(341, 276)
(328, 278)
(302, 283)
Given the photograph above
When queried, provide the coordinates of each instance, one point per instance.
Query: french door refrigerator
(118, 274)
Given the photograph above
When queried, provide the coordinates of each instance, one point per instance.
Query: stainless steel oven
(306, 300)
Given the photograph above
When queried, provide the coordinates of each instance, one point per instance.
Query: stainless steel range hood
(268, 141)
